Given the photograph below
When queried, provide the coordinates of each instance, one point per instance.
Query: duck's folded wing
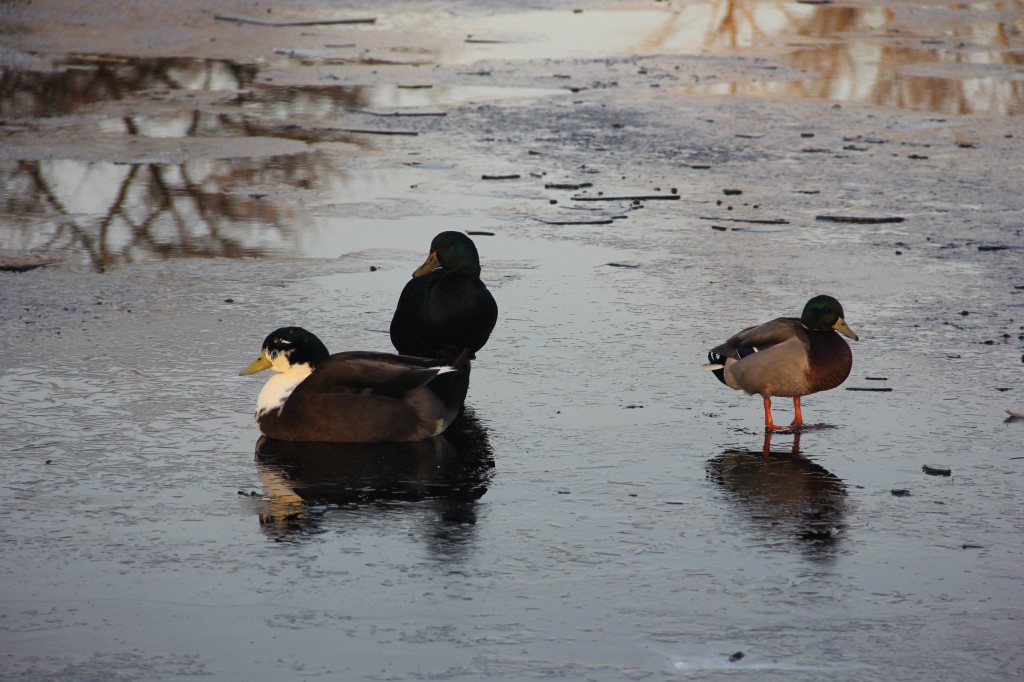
(760, 337)
(376, 373)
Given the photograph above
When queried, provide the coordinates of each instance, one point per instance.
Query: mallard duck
(787, 357)
(351, 397)
(445, 311)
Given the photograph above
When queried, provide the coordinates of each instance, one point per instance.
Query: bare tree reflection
(962, 67)
(202, 207)
(156, 211)
(303, 481)
(82, 81)
(785, 495)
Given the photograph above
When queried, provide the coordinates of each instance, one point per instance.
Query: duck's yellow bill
(258, 365)
(841, 327)
(429, 265)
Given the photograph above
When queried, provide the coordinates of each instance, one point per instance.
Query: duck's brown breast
(830, 361)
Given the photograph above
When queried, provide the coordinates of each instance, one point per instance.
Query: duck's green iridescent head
(824, 312)
(453, 251)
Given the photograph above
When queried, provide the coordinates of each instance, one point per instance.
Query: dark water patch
(576, 221)
(568, 185)
(625, 197)
(294, 22)
(860, 220)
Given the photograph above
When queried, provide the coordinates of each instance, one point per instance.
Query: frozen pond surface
(604, 510)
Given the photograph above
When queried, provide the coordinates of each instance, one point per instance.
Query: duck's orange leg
(769, 425)
(798, 418)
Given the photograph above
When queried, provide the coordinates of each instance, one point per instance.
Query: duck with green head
(353, 397)
(787, 357)
(445, 311)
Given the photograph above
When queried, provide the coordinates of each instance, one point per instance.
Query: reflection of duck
(787, 357)
(295, 474)
(784, 492)
(351, 397)
(445, 311)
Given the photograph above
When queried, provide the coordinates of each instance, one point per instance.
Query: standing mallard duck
(351, 397)
(445, 311)
(787, 357)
